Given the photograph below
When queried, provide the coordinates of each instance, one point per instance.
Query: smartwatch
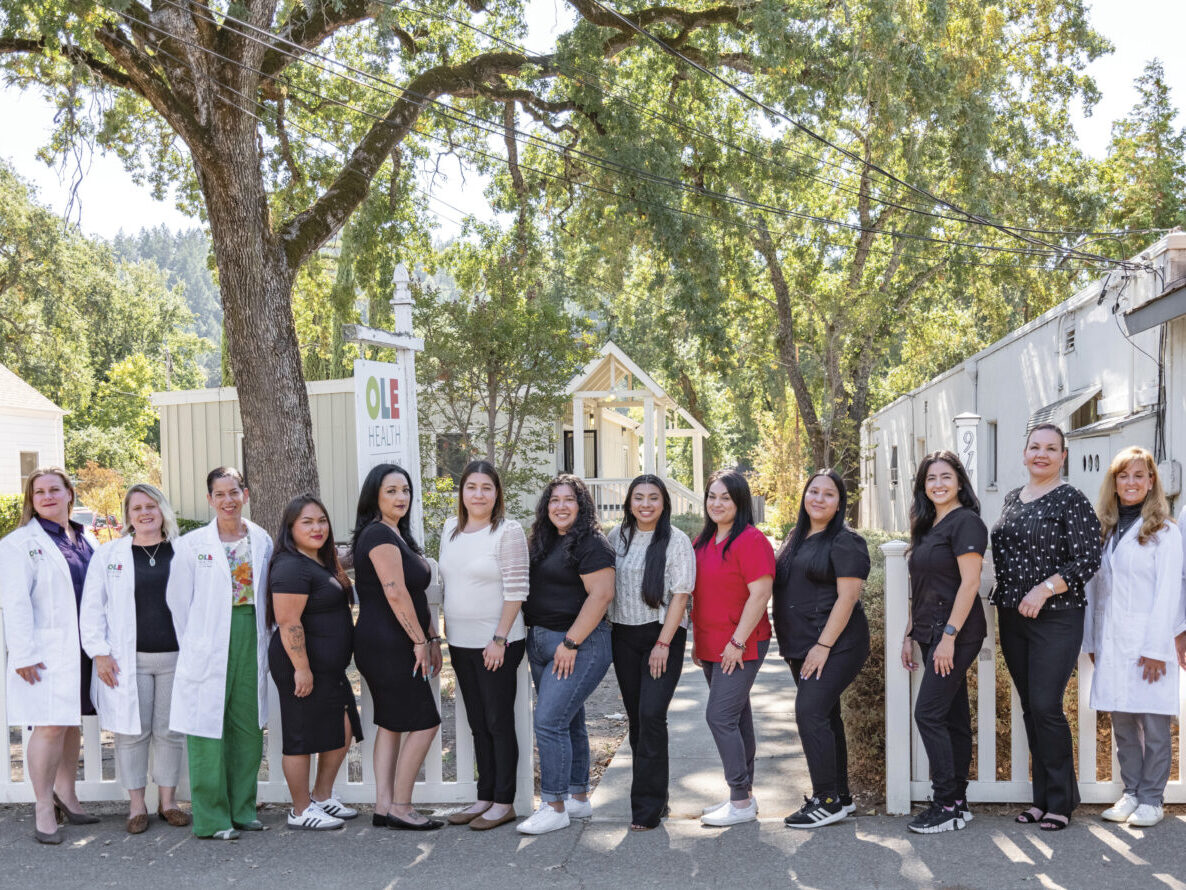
(502, 641)
(951, 630)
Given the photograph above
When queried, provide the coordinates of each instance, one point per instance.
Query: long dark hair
(819, 569)
(368, 505)
(654, 574)
(500, 508)
(327, 553)
(543, 534)
(739, 494)
(922, 511)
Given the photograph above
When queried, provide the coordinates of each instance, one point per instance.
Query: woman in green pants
(217, 592)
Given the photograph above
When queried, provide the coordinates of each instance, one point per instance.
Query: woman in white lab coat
(126, 627)
(42, 569)
(217, 593)
(1132, 610)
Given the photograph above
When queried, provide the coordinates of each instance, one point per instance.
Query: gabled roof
(16, 394)
(585, 380)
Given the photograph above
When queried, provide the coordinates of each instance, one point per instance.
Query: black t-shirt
(372, 601)
(326, 619)
(154, 621)
(802, 603)
(557, 592)
(935, 576)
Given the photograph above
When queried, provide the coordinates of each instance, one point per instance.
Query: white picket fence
(432, 788)
(906, 768)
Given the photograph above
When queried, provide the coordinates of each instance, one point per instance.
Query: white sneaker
(543, 820)
(1121, 810)
(578, 809)
(712, 808)
(1146, 816)
(313, 819)
(334, 807)
(730, 815)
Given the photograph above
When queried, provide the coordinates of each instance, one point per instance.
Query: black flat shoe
(379, 820)
(73, 818)
(398, 824)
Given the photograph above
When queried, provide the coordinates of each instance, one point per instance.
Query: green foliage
(439, 503)
(10, 512)
(114, 447)
(189, 525)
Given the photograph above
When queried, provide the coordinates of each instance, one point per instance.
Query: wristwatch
(570, 644)
(502, 641)
(1049, 585)
(951, 630)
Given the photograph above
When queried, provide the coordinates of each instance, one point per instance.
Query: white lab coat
(199, 596)
(1132, 604)
(107, 626)
(40, 627)
(1180, 621)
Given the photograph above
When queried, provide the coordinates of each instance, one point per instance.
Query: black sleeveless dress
(382, 650)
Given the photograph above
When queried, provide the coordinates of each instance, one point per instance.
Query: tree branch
(308, 26)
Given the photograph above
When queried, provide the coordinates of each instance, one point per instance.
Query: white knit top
(628, 606)
(482, 570)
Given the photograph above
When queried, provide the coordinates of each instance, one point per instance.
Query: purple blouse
(78, 552)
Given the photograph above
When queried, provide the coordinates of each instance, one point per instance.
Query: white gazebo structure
(619, 425)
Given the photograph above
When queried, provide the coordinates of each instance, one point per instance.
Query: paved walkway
(866, 851)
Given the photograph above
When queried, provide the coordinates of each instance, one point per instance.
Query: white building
(30, 432)
(1108, 366)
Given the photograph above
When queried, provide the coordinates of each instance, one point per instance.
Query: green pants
(224, 773)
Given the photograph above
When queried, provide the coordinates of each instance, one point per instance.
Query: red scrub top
(722, 590)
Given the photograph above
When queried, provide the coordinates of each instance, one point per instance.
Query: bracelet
(736, 645)
(825, 645)
(436, 640)
(662, 645)
(421, 643)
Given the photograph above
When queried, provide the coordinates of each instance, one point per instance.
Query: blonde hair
(1155, 514)
(169, 520)
(27, 511)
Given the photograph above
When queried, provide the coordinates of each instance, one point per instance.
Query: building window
(28, 465)
(1068, 340)
(991, 448)
(1086, 414)
(452, 455)
(894, 465)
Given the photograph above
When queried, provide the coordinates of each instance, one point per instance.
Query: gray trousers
(1143, 749)
(731, 721)
(154, 683)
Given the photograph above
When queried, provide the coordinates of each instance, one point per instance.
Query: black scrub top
(802, 602)
(935, 576)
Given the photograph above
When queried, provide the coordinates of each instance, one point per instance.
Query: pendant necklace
(151, 556)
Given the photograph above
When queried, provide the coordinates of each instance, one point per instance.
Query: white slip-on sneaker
(712, 808)
(1146, 815)
(334, 807)
(1121, 810)
(543, 820)
(578, 809)
(313, 819)
(730, 815)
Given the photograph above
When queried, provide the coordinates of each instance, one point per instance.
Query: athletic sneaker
(730, 814)
(543, 820)
(313, 819)
(965, 811)
(1146, 816)
(578, 809)
(334, 807)
(937, 818)
(816, 811)
(713, 807)
(846, 802)
(1121, 810)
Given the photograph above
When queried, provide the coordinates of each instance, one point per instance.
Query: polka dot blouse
(1056, 534)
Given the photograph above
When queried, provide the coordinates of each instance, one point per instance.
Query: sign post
(385, 398)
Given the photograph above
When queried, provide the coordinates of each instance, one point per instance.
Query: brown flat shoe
(484, 824)
(138, 824)
(463, 818)
(176, 817)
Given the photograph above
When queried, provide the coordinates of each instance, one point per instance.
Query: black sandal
(1053, 822)
(1029, 816)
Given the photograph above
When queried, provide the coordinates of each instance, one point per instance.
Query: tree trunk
(256, 284)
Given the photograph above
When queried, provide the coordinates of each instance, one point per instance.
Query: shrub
(10, 512)
(188, 525)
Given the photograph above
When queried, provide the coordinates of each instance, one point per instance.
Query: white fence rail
(906, 765)
(432, 788)
(610, 494)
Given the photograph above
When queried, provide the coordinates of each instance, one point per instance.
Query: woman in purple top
(43, 566)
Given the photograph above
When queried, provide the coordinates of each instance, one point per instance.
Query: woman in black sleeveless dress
(396, 645)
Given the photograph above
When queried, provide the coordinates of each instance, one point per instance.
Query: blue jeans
(560, 732)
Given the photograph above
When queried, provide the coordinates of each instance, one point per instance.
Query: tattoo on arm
(294, 635)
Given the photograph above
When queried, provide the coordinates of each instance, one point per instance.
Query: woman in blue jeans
(568, 644)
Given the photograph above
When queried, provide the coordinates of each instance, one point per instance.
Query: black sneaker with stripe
(816, 811)
(937, 818)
